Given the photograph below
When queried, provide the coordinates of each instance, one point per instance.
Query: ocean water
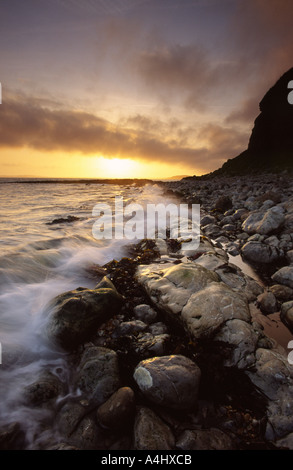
(39, 260)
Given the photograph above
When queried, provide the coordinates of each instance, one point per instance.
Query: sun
(118, 167)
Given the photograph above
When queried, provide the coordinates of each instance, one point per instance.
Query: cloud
(28, 124)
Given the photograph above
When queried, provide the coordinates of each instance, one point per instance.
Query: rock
(264, 223)
(151, 433)
(118, 411)
(62, 220)
(239, 282)
(129, 328)
(272, 373)
(239, 213)
(69, 417)
(223, 203)
(148, 344)
(273, 241)
(87, 435)
(229, 227)
(158, 328)
(257, 252)
(243, 338)
(271, 142)
(273, 378)
(169, 381)
(282, 293)
(284, 276)
(286, 442)
(208, 310)
(287, 314)
(212, 230)
(268, 303)
(207, 219)
(44, 389)
(289, 255)
(210, 261)
(98, 374)
(75, 315)
(12, 437)
(205, 439)
(145, 313)
(171, 287)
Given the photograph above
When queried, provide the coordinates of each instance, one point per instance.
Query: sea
(47, 247)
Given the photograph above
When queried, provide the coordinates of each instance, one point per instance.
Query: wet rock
(158, 328)
(118, 411)
(289, 255)
(282, 293)
(213, 230)
(264, 222)
(172, 286)
(287, 314)
(286, 442)
(211, 261)
(257, 252)
(98, 374)
(223, 203)
(87, 435)
(12, 437)
(145, 313)
(243, 338)
(208, 310)
(284, 276)
(69, 219)
(129, 328)
(268, 302)
(44, 389)
(151, 433)
(205, 439)
(69, 417)
(75, 315)
(148, 344)
(208, 219)
(170, 381)
(239, 282)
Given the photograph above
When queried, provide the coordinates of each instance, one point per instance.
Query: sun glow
(118, 167)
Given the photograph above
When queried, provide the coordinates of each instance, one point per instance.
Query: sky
(135, 88)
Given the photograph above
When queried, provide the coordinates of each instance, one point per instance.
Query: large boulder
(284, 276)
(258, 252)
(74, 316)
(264, 222)
(208, 310)
(171, 381)
(97, 375)
(287, 314)
(151, 433)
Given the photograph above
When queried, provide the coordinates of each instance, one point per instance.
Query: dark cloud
(25, 124)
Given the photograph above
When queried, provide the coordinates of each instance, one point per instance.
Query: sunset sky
(135, 88)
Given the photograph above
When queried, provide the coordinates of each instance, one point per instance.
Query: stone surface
(12, 437)
(268, 302)
(170, 381)
(258, 252)
(172, 286)
(264, 223)
(47, 387)
(208, 310)
(284, 276)
(205, 439)
(151, 433)
(98, 374)
(145, 313)
(282, 293)
(287, 314)
(118, 411)
(75, 315)
(243, 338)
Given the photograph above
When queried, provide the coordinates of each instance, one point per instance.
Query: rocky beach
(168, 351)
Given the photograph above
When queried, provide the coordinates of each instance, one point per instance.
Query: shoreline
(231, 401)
